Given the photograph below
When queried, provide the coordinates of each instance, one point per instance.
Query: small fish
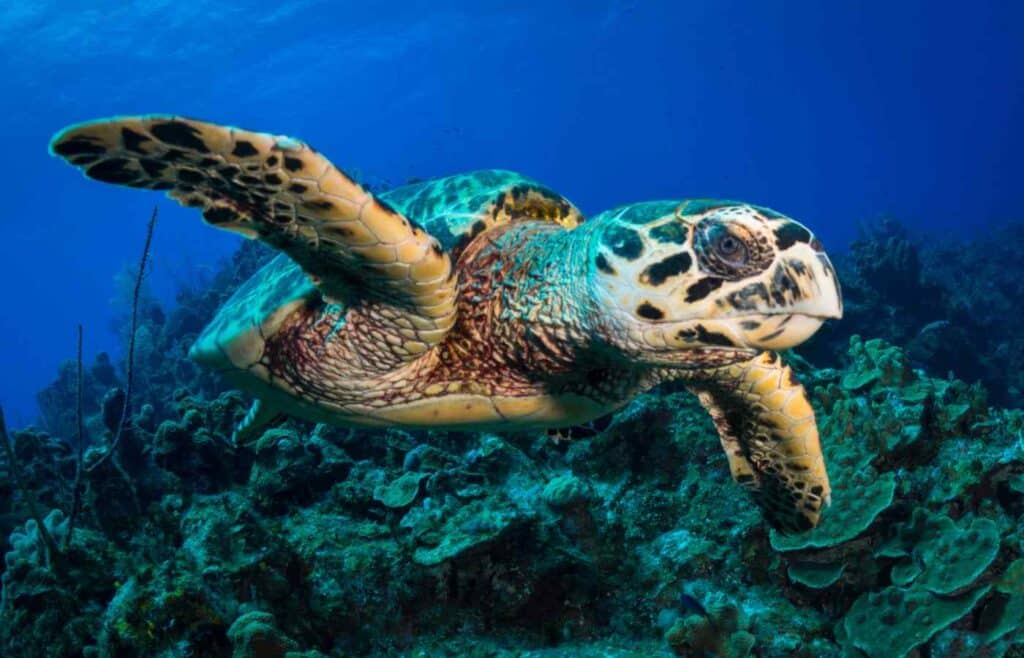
(582, 431)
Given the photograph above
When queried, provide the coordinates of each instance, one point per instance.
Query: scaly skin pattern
(662, 264)
(456, 209)
(284, 193)
(485, 300)
(521, 353)
(767, 428)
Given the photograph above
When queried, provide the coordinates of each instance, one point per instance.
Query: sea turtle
(486, 301)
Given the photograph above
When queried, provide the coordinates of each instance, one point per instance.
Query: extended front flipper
(769, 433)
(356, 249)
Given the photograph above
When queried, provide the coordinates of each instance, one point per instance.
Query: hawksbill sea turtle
(486, 301)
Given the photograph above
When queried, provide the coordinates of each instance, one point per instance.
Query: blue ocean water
(870, 499)
(832, 112)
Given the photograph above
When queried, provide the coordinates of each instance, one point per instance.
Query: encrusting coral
(895, 621)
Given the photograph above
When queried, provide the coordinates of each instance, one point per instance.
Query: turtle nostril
(817, 246)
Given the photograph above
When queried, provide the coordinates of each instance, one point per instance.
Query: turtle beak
(820, 299)
(781, 332)
(826, 300)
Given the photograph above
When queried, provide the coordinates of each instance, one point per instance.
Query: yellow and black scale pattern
(484, 300)
(769, 433)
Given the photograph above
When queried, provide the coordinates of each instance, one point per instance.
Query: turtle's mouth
(775, 332)
(723, 341)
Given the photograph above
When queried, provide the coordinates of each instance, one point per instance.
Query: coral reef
(716, 633)
(352, 542)
(945, 301)
(319, 541)
(895, 621)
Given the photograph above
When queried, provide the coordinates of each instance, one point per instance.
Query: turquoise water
(891, 130)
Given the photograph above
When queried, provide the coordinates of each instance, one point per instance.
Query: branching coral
(42, 531)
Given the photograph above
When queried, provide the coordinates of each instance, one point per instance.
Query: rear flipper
(769, 433)
(261, 415)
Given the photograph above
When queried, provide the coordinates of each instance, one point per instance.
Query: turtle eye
(730, 248)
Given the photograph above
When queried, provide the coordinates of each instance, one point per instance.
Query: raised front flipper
(355, 248)
(769, 433)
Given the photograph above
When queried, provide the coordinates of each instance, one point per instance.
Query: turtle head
(698, 281)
